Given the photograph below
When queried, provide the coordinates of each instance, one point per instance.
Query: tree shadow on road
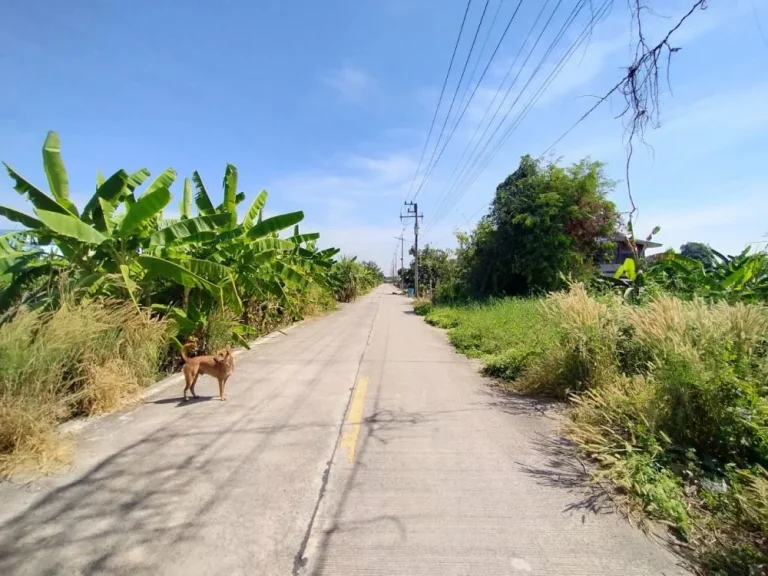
(382, 427)
(561, 466)
(564, 469)
(498, 397)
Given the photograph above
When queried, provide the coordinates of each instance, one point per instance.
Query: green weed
(668, 397)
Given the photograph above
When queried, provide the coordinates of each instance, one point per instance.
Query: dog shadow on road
(180, 402)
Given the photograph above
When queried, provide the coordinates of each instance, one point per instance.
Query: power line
(470, 164)
(531, 103)
(586, 32)
(443, 195)
(431, 169)
(632, 70)
(630, 85)
(440, 99)
(457, 186)
(480, 55)
(540, 92)
(453, 101)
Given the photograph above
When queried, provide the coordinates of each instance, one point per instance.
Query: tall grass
(669, 397)
(504, 333)
(82, 359)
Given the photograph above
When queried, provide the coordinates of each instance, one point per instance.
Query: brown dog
(219, 366)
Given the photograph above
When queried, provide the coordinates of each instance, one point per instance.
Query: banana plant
(120, 245)
(113, 242)
(743, 277)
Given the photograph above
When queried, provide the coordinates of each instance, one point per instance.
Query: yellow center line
(354, 418)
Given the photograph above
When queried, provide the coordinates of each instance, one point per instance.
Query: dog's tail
(184, 350)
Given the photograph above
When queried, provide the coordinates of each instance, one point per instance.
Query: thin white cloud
(352, 83)
(353, 178)
(340, 195)
(691, 130)
(388, 168)
(717, 122)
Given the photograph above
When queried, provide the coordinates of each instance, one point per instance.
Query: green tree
(699, 251)
(374, 269)
(545, 222)
(436, 267)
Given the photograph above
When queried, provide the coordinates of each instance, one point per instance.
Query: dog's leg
(192, 387)
(187, 384)
(223, 388)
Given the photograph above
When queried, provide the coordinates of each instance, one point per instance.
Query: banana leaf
(20, 217)
(187, 229)
(302, 238)
(112, 190)
(39, 199)
(202, 200)
(149, 205)
(253, 211)
(185, 208)
(275, 224)
(70, 226)
(230, 192)
(155, 266)
(56, 173)
(163, 181)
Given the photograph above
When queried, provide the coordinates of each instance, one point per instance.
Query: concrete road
(358, 443)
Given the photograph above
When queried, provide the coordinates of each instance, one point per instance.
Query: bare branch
(640, 86)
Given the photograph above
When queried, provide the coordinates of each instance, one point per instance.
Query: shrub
(351, 278)
(585, 354)
(669, 397)
(509, 364)
(28, 438)
(422, 307)
(683, 412)
(221, 324)
(507, 334)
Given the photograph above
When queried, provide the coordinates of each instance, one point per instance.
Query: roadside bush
(351, 278)
(507, 334)
(422, 307)
(82, 359)
(221, 324)
(584, 354)
(669, 397)
(679, 418)
(509, 364)
(447, 291)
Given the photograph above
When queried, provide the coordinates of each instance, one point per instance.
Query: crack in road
(299, 560)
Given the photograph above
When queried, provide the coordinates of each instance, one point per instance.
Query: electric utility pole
(413, 212)
(402, 265)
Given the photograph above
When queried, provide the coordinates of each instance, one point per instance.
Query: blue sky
(327, 106)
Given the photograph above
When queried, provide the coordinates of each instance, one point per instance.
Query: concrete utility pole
(402, 265)
(413, 212)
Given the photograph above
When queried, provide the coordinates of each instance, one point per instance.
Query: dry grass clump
(28, 439)
(81, 359)
(671, 399)
(585, 355)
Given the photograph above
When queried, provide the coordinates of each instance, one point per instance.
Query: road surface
(357, 443)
